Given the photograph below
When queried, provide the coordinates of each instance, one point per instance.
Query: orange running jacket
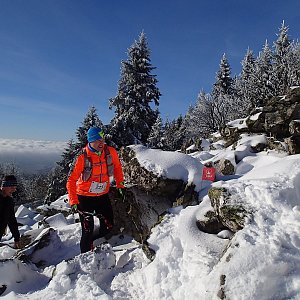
(98, 183)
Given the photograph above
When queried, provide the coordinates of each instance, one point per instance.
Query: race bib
(97, 187)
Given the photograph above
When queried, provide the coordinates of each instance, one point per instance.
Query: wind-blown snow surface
(29, 155)
(171, 165)
(261, 261)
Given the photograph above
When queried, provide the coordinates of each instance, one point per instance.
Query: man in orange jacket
(88, 186)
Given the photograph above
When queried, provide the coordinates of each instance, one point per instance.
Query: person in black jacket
(7, 213)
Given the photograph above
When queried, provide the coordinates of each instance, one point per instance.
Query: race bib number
(97, 187)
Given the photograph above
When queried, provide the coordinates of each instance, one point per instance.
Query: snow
(171, 165)
(238, 123)
(261, 261)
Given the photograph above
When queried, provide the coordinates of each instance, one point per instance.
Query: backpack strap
(109, 161)
(88, 166)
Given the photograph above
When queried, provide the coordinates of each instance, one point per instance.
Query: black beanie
(9, 180)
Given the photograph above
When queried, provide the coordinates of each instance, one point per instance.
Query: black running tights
(101, 207)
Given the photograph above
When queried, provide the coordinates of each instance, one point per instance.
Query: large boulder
(138, 212)
(255, 122)
(224, 166)
(210, 223)
(230, 134)
(279, 112)
(229, 213)
(147, 197)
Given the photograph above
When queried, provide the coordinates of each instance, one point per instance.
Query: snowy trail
(182, 247)
(270, 242)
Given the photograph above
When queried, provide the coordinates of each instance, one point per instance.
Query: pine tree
(223, 84)
(224, 109)
(188, 119)
(155, 139)
(180, 133)
(174, 134)
(68, 156)
(56, 186)
(169, 132)
(203, 118)
(263, 78)
(294, 64)
(281, 63)
(137, 89)
(36, 186)
(243, 86)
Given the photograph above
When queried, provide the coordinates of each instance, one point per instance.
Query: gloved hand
(121, 192)
(74, 208)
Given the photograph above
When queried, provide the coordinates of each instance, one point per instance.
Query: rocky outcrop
(138, 212)
(227, 214)
(147, 197)
(279, 119)
(210, 223)
(138, 176)
(224, 166)
(230, 214)
(230, 134)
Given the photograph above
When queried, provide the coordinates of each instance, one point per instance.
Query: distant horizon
(59, 58)
(31, 156)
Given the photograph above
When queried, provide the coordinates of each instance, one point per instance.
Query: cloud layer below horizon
(30, 156)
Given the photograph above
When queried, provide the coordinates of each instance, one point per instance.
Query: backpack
(88, 166)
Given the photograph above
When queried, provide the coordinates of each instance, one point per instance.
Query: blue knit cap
(9, 180)
(94, 134)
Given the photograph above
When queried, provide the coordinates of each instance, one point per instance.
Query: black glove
(74, 209)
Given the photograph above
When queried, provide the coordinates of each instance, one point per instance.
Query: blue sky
(59, 57)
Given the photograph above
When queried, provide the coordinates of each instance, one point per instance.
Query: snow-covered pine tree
(174, 134)
(155, 138)
(243, 86)
(222, 94)
(169, 131)
(294, 64)
(263, 77)
(137, 89)
(223, 84)
(281, 64)
(190, 130)
(56, 186)
(202, 119)
(36, 186)
(184, 137)
(67, 157)
(180, 136)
